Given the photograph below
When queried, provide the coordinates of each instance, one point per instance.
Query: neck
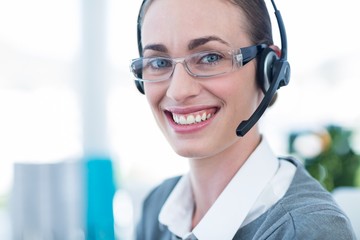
(210, 176)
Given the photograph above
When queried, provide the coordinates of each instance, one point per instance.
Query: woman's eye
(211, 58)
(160, 63)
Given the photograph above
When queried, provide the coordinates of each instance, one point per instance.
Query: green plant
(336, 164)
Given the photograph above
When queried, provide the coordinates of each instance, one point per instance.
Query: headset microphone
(272, 71)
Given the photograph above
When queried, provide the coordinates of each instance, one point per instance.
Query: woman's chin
(190, 152)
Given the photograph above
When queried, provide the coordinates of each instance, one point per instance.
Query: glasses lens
(136, 68)
(152, 69)
(207, 64)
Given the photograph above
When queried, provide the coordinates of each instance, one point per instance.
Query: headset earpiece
(273, 72)
(265, 68)
(140, 86)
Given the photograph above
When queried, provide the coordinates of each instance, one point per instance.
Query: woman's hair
(258, 20)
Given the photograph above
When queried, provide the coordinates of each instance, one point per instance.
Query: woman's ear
(276, 49)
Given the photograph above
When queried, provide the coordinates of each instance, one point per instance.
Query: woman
(199, 73)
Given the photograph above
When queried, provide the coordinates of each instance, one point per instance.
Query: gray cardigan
(307, 211)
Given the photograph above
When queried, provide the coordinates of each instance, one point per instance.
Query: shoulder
(160, 193)
(156, 199)
(148, 226)
(312, 209)
(307, 211)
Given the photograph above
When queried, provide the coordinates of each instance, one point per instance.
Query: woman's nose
(182, 85)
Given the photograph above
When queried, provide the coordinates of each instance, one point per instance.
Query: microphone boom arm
(281, 80)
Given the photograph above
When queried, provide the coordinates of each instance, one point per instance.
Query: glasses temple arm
(249, 53)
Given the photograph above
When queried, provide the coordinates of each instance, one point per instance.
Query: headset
(273, 72)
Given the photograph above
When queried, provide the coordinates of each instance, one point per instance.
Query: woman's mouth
(192, 118)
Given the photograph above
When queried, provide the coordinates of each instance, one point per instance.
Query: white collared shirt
(257, 186)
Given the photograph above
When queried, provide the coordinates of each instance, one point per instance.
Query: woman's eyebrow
(156, 47)
(192, 44)
(203, 40)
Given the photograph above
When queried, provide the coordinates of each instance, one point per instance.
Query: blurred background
(79, 148)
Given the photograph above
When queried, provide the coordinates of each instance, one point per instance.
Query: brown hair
(258, 24)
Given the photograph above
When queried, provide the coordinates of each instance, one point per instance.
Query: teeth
(182, 120)
(203, 116)
(198, 118)
(191, 119)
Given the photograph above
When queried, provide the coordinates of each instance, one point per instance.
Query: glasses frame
(240, 57)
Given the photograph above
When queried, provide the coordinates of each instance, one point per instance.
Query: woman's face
(208, 109)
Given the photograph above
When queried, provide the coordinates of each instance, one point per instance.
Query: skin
(214, 151)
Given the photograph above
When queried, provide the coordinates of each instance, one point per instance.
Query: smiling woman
(229, 72)
(40, 43)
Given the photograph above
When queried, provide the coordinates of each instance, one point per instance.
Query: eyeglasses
(201, 65)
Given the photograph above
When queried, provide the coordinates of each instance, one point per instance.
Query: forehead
(174, 22)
